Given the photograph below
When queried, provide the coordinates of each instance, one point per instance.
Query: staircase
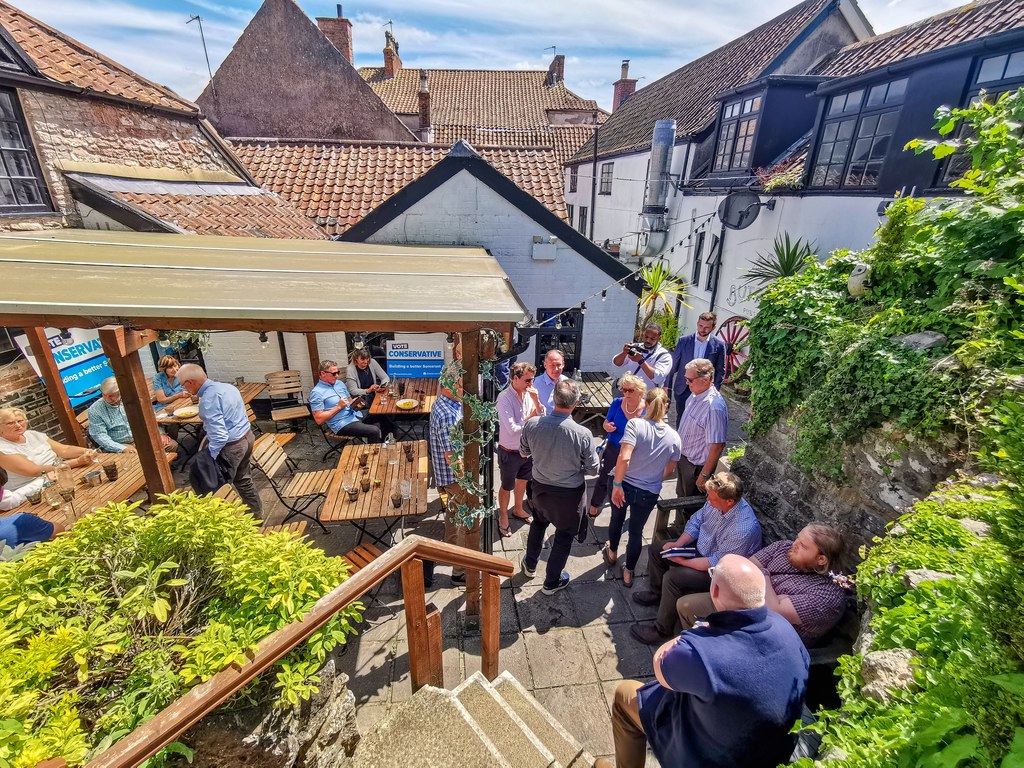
(477, 725)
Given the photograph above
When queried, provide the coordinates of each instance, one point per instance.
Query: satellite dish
(739, 209)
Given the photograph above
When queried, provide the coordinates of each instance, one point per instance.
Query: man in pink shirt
(516, 405)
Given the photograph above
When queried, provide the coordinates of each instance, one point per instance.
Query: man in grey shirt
(563, 453)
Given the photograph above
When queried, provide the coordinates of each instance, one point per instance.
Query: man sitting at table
(108, 422)
(331, 402)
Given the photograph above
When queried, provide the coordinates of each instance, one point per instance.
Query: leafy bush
(105, 626)
(951, 266)
(669, 322)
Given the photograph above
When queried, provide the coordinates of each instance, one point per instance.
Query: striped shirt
(819, 602)
(445, 414)
(717, 534)
(705, 421)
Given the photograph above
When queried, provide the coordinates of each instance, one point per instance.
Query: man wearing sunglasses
(331, 402)
(516, 405)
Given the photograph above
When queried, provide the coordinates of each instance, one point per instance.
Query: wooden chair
(360, 557)
(286, 397)
(251, 416)
(228, 493)
(299, 493)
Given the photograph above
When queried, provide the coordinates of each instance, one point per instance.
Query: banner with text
(419, 356)
(80, 360)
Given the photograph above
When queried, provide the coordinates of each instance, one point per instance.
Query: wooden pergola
(132, 285)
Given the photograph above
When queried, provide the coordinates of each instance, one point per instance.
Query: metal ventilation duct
(655, 212)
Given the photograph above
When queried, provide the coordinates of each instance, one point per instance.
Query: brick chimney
(338, 31)
(426, 131)
(624, 87)
(556, 70)
(391, 61)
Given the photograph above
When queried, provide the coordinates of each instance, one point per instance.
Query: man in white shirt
(554, 363)
(653, 364)
(516, 405)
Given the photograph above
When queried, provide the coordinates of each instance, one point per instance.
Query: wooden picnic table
(87, 497)
(423, 390)
(376, 503)
(249, 391)
(597, 387)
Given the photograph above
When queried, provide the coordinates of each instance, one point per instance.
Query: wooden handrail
(149, 738)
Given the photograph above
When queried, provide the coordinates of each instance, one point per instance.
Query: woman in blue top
(648, 453)
(622, 409)
(167, 389)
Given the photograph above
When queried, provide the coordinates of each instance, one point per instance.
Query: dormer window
(21, 183)
(736, 134)
(856, 135)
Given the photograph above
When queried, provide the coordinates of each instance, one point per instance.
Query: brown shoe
(602, 763)
(646, 597)
(649, 634)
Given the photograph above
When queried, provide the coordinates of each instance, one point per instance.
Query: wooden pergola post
(314, 356)
(471, 457)
(121, 347)
(54, 386)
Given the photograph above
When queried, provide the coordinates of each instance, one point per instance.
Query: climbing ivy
(831, 363)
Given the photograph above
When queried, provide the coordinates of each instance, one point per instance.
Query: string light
(264, 341)
(604, 294)
(583, 307)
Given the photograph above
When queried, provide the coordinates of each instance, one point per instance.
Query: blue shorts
(23, 528)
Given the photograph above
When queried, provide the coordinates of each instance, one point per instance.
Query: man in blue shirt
(554, 364)
(331, 402)
(726, 693)
(229, 437)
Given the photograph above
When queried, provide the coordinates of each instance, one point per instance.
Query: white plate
(188, 412)
(407, 404)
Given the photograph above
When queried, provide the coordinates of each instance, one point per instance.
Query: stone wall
(885, 478)
(80, 129)
(21, 388)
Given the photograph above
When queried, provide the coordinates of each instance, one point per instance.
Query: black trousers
(553, 505)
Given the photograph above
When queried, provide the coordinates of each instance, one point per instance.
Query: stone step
(431, 729)
(567, 751)
(506, 730)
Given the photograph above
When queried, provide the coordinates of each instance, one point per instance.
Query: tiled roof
(338, 183)
(65, 60)
(688, 94)
(483, 98)
(265, 215)
(565, 140)
(960, 25)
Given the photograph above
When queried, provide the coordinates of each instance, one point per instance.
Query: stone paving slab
(599, 603)
(617, 654)
(559, 658)
(512, 657)
(582, 711)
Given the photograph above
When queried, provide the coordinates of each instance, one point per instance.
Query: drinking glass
(406, 490)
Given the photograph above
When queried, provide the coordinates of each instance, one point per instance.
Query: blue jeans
(640, 503)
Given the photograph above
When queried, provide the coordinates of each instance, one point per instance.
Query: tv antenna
(206, 53)
(553, 49)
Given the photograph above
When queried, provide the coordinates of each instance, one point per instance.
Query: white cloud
(151, 36)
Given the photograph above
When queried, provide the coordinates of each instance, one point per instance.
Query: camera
(636, 348)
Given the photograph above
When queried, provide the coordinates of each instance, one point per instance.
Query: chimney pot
(625, 87)
(392, 63)
(339, 31)
(556, 70)
(426, 131)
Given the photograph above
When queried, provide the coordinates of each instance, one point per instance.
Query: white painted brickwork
(465, 211)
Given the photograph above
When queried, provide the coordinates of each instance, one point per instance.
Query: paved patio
(570, 649)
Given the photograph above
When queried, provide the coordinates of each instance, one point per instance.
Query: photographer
(646, 358)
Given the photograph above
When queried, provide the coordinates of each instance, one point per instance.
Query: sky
(154, 38)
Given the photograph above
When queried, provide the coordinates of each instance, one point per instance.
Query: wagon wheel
(735, 334)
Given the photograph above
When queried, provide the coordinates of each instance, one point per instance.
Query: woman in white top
(27, 455)
(648, 453)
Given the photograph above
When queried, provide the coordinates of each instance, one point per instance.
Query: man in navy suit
(701, 344)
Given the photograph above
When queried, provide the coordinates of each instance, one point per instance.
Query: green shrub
(102, 628)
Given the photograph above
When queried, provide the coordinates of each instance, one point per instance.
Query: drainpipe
(593, 184)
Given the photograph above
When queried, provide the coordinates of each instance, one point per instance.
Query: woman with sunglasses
(648, 453)
(629, 406)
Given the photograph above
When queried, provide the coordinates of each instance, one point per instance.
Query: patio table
(423, 390)
(87, 497)
(596, 389)
(376, 504)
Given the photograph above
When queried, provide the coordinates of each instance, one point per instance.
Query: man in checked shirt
(725, 525)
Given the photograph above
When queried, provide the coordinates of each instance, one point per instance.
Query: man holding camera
(646, 358)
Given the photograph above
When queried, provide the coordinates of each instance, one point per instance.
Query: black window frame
(853, 121)
(568, 339)
(574, 178)
(714, 262)
(583, 220)
(9, 351)
(607, 174)
(954, 166)
(14, 127)
(698, 249)
(570, 211)
(737, 132)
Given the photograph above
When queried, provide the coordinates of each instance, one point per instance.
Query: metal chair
(301, 491)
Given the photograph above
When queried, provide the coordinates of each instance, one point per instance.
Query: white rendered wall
(464, 211)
